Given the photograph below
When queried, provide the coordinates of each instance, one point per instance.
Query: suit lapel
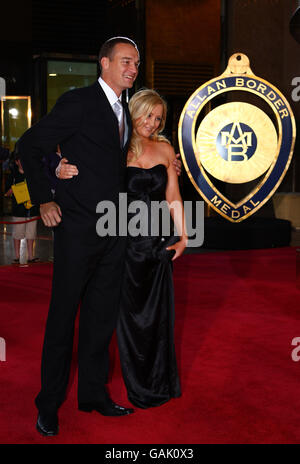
(128, 127)
(105, 110)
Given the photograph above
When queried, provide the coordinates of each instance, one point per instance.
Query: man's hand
(50, 214)
(177, 164)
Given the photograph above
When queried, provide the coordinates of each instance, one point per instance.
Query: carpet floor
(237, 313)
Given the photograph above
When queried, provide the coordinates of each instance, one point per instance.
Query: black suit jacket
(84, 125)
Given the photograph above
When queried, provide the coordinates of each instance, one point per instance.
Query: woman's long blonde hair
(140, 105)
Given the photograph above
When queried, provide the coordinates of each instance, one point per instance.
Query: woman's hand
(179, 247)
(66, 171)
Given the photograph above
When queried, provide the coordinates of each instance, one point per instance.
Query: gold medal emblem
(237, 142)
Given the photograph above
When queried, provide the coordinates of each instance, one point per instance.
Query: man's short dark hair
(108, 46)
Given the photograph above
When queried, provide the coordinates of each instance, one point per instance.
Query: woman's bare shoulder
(165, 148)
(167, 152)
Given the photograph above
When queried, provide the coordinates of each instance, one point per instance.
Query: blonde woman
(146, 324)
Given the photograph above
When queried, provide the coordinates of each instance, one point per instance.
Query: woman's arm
(175, 203)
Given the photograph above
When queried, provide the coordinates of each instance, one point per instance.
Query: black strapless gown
(146, 324)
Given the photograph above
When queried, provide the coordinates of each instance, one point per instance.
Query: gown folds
(146, 324)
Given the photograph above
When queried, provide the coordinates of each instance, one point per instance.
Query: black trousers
(88, 270)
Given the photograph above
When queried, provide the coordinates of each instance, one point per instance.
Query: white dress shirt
(110, 94)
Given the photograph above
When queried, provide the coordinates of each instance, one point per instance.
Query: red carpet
(236, 315)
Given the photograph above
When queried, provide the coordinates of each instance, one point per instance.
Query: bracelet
(57, 170)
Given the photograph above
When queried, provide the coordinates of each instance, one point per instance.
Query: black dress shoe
(47, 424)
(106, 408)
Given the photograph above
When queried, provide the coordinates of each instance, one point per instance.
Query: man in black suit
(87, 268)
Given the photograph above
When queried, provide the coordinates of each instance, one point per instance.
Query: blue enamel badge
(237, 142)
